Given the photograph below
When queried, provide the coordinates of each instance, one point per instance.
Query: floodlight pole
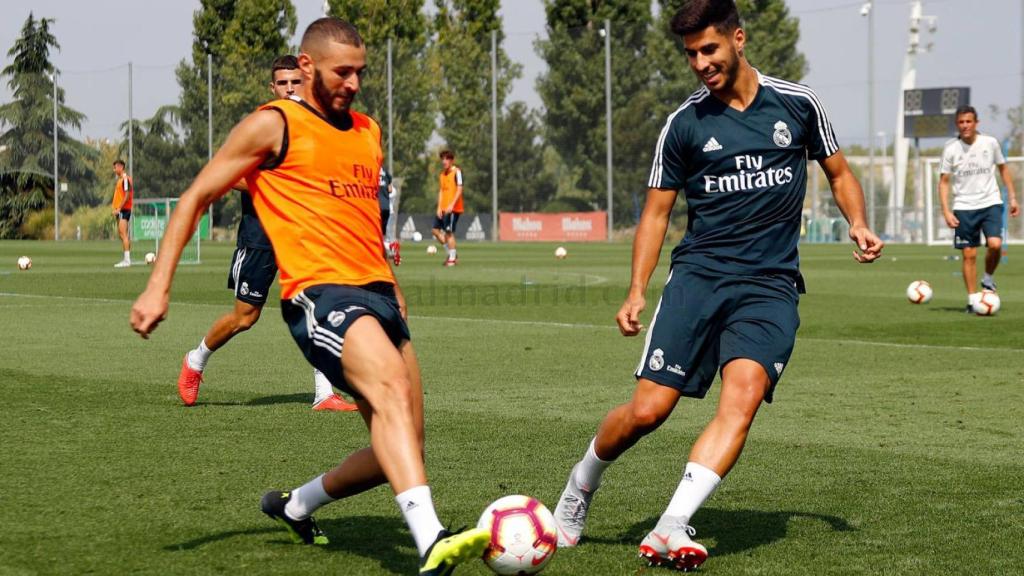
(608, 116)
(209, 129)
(867, 11)
(56, 183)
(494, 135)
(131, 127)
(391, 116)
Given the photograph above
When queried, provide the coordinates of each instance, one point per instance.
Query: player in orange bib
(121, 208)
(312, 166)
(449, 205)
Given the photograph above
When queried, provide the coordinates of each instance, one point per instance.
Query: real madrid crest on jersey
(782, 137)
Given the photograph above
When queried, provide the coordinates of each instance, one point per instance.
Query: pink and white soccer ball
(523, 535)
(988, 304)
(919, 292)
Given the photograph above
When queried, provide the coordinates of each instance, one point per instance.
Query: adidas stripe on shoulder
(657, 169)
(825, 132)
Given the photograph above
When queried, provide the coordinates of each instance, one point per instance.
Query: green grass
(894, 444)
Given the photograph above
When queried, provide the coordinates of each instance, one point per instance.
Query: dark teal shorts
(319, 316)
(704, 320)
(973, 222)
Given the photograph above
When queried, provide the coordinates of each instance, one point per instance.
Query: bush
(96, 223)
(38, 225)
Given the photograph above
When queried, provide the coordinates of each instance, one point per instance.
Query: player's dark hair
(696, 15)
(967, 110)
(119, 162)
(333, 29)
(286, 62)
(446, 154)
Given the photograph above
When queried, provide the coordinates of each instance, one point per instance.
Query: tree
(574, 97)
(26, 163)
(414, 109)
(244, 37)
(162, 168)
(464, 94)
(523, 184)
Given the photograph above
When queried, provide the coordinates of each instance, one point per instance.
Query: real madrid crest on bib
(782, 137)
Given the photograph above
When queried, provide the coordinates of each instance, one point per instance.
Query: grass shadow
(734, 531)
(382, 539)
(298, 398)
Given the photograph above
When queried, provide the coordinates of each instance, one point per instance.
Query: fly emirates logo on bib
(750, 174)
(363, 183)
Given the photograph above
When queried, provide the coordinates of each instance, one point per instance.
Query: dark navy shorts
(252, 272)
(973, 222)
(448, 222)
(385, 215)
(705, 320)
(319, 316)
(124, 214)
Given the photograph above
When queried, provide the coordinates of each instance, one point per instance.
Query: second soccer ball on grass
(919, 292)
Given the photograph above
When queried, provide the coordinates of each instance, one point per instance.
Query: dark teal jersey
(250, 231)
(744, 175)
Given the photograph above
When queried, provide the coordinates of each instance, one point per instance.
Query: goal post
(149, 220)
(939, 234)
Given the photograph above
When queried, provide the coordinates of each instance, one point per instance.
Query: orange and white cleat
(334, 403)
(451, 261)
(188, 383)
(669, 544)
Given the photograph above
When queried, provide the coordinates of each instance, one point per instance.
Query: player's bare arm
(455, 200)
(850, 200)
(650, 235)
(252, 141)
(1004, 172)
(947, 214)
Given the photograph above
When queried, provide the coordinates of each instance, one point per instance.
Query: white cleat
(571, 512)
(123, 264)
(670, 545)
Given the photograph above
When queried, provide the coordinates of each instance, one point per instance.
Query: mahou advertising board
(558, 227)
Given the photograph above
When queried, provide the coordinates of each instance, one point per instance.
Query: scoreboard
(931, 112)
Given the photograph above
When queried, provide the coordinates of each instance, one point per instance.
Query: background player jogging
(252, 273)
(738, 149)
(312, 166)
(969, 161)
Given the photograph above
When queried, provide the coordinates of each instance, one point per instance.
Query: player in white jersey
(969, 161)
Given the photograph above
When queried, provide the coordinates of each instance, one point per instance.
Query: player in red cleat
(188, 383)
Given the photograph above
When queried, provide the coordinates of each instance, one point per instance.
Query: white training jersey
(973, 170)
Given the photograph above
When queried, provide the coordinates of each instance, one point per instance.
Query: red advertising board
(559, 227)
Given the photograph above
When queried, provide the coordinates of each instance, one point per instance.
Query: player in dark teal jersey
(738, 149)
(253, 268)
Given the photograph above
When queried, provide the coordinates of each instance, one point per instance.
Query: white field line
(537, 323)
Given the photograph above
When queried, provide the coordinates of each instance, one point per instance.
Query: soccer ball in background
(24, 263)
(416, 237)
(988, 304)
(561, 253)
(523, 537)
(919, 292)
(150, 257)
(431, 249)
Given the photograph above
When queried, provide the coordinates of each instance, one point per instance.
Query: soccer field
(894, 445)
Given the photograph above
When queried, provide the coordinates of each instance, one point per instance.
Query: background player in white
(969, 161)
(738, 148)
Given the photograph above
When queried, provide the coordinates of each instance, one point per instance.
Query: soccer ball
(919, 292)
(416, 237)
(431, 249)
(560, 253)
(523, 537)
(150, 257)
(988, 304)
(24, 263)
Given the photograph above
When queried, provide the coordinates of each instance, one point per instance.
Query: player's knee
(994, 243)
(246, 319)
(395, 394)
(647, 416)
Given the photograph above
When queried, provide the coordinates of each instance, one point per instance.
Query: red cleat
(334, 403)
(451, 262)
(188, 383)
(396, 253)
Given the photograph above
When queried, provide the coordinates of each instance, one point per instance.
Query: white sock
(451, 253)
(589, 470)
(986, 278)
(322, 385)
(697, 485)
(197, 358)
(127, 256)
(307, 498)
(418, 509)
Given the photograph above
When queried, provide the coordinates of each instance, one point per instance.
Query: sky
(980, 48)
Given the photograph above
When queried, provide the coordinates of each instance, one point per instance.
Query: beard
(325, 98)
